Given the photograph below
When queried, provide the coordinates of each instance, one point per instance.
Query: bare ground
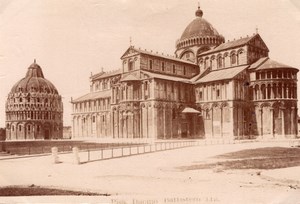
(159, 176)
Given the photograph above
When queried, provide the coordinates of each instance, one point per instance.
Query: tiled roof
(166, 77)
(258, 63)
(130, 77)
(231, 44)
(222, 74)
(161, 56)
(190, 110)
(106, 74)
(271, 64)
(94, 95)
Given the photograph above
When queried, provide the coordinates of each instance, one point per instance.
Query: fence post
(101, 153)
(54, 151)
(76, 155)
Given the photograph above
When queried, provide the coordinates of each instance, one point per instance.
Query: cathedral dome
(199, 36)
(199, 27)
(34, 81)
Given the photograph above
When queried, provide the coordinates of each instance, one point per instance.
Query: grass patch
(33, 190)
(261, 158)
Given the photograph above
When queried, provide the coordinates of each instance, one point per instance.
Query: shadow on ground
(33, 190)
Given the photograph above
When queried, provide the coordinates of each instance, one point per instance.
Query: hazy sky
(72, 38)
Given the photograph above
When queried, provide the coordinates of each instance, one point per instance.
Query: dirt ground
(154, 178)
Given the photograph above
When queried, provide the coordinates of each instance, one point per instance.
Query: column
(261, 122)
(121, 124)
(272, 121)
(221, 122)
(147, 122)
(154, 121)
(73, 127)
(293, 121)
(164, 122)
(141, 122)
(292, 90)
(179, 91)
(143, 91)
(272, 91)
(266, 92)
(113, 95)
(152, 90)
(171, 121)
(212, 122)
(194, 125)
(133, 124)
(112, 125)
(238, 122)
(282, 122)
(231, 132)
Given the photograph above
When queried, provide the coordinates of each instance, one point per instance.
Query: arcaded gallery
(210, 89)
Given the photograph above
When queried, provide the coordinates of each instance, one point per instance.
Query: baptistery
(34, 109)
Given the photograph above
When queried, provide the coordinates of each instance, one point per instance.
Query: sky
(70, 39)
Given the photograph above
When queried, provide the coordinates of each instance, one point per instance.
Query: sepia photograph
(149, 102)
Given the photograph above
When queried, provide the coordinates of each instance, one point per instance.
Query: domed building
(199, 36)
(212, 89)
(34, 108)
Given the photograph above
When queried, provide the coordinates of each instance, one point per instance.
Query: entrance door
(184, 130)
(47, 134)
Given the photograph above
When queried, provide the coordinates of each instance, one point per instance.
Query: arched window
(163, 66)
(200, 96)
(263, 91)
(206, 63)
(219, 62)
(131, 65)
(150, 64)
(233, 58)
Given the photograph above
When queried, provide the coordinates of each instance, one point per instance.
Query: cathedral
(34, 109)
(211, 89)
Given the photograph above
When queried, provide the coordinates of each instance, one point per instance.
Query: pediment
(258, 42)
(130, 52)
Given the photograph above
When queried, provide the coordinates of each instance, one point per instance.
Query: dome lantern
(199, 12)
